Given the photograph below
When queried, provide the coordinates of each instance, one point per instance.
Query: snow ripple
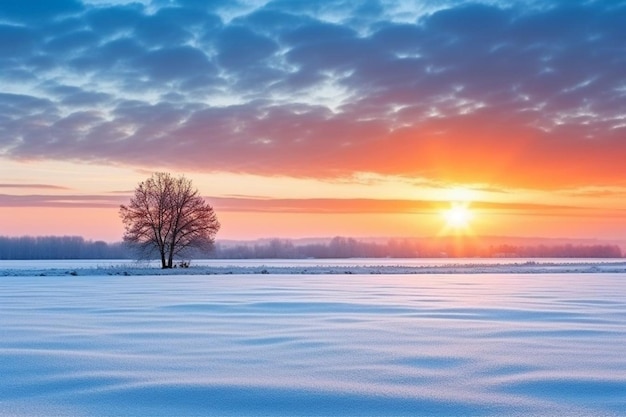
(285, 345)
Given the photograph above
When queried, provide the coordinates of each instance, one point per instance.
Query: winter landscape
(312, 208)
(385, 339)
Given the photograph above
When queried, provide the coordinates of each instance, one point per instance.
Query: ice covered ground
(315, 267)
(301, 344)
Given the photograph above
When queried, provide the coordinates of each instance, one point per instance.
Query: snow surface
(314, 267)
(287, 344)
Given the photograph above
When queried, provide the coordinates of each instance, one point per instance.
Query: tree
(166, 216)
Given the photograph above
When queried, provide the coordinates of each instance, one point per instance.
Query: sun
(458, 216)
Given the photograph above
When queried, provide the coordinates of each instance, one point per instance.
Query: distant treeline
(340, 247)
(73, 247)
(59, 247)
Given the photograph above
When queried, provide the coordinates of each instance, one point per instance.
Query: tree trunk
(163, 263)
(170, 259)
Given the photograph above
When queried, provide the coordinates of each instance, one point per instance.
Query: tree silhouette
(166, 216)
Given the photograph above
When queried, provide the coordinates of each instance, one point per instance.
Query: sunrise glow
(317, 121)
(458, 216)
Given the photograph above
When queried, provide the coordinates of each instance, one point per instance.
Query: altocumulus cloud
(514, 93)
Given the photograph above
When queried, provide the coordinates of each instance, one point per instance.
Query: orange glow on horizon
(90, 223)
(249, 218)
(105, 224)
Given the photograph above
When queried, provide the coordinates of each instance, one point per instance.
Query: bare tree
(166, 216)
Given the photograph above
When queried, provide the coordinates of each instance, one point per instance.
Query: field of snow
(287, 344)
(314, 266)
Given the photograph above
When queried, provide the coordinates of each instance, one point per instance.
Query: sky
(317, 118)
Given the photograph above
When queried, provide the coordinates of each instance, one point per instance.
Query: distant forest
(73, 247)
(59, 247)
(340, 247)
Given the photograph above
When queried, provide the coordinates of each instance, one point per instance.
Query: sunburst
(458, 218)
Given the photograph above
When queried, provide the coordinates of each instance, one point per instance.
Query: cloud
(16, 39)
(71, 96)
(244, 204)
(509, 93)
(34, 11)
(76, 201)
(30, 186)
(240, 47)
(174, 64)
